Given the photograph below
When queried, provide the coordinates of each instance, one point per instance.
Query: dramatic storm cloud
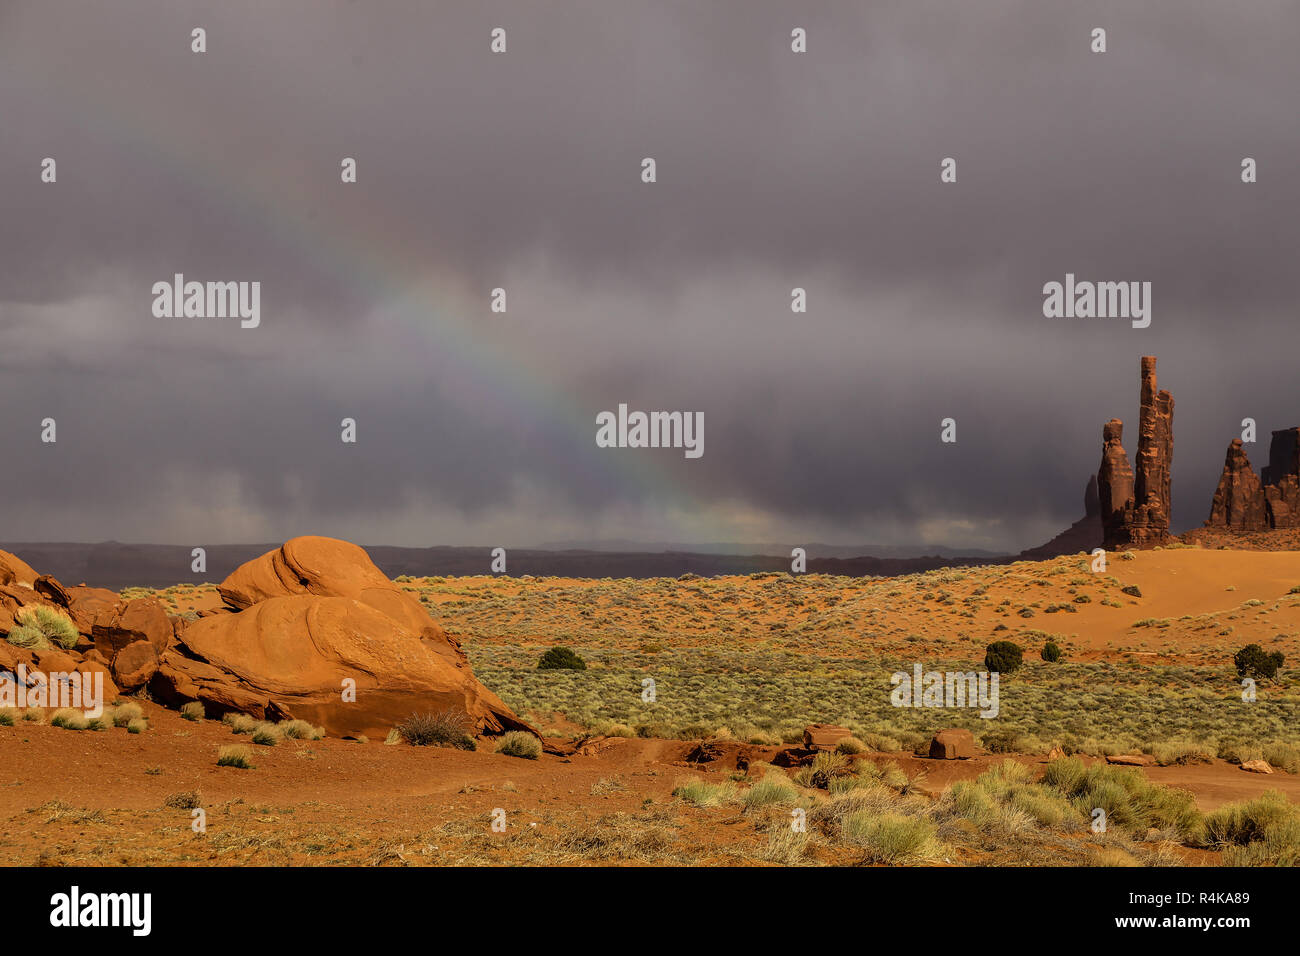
(522, 171)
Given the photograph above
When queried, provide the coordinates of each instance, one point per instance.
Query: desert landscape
(1142, 715)
(848, 447)
(1123, 705)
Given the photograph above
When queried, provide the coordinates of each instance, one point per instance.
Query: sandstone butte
(1244, 502)
(304, 623)
(1248, 510)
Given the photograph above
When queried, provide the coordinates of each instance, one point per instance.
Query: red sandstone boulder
(291, 656)
(53, 660)
(1131, 760)
(824, 736)
(793, 757)
(135, 665)
(328, 567)
(50, 589)
(90, 668)
(14, 570)
(730, 753)
(85, 605)
(143, 619)
(312, 620)
(93, 656)
(181, 679)
(955, 744)
(9, 607)
(11, 657)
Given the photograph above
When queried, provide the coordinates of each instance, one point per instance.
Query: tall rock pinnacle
(1135, 505)
(1239, 500)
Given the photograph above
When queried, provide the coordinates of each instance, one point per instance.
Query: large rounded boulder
(320, 634)
(14, 570)
(340, 663)
(328, 567)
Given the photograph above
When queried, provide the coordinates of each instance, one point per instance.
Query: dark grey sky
(521, 170)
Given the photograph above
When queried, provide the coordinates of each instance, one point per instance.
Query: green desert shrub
(610, 728)
(1279, 846)
(240, 723)
(1001, 741)
(1253, 661)
(1051, 652)
(1005, 797)
(561, 658)
(1239, 751)
(1170, 808)
(447, 728)
(1066, 774)
(700, 793)
(890, 838)
(882, 742)
(1126, 796)
(1283, 756)
(1003, 657)
(519, 743)
(1263, 831)
(300, 730)
(137, 726)
(192, 711)
(967, 800)
(825, 766)
(1131, 590)
(1003, 778)
(27, 637)
(69, 719)
(786, 847)
(7, 717)
(1045, 807)
(235, 756)
(1180, 753)
(124, 713)
(266, 735)
(40, 627)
